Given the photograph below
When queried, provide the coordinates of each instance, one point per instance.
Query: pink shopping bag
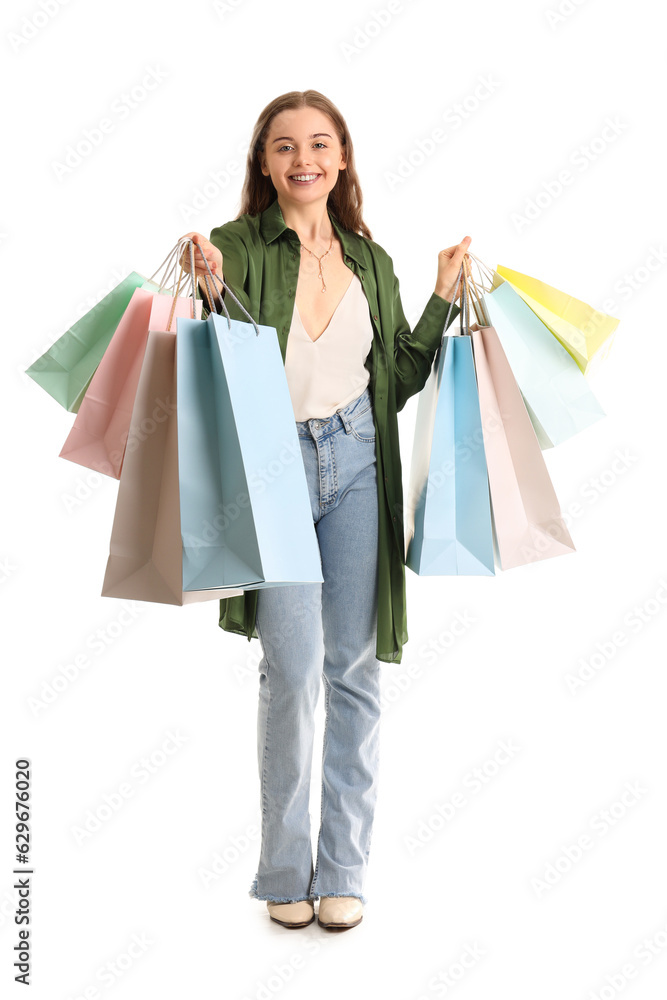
(528, 524)
(99, 433)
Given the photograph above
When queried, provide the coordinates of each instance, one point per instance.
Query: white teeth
(304, 177)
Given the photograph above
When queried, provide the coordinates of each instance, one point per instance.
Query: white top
(325, 374)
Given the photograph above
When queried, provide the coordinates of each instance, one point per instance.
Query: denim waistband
(340, 420)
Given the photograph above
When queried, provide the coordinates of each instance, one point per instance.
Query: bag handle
(478, 301)
(187, 244)
(464, 312)
(451, 304)
(186, 241)
(464, 315)
(489, 270)
(173, 259)
(191, 299)
(170, 264)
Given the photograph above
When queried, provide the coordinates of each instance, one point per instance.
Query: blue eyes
(322, 144)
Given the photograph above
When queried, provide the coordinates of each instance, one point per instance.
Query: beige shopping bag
(146, 557)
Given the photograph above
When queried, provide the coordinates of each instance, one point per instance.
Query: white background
(472, 888)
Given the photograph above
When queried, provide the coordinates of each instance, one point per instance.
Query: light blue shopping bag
(448, 522)
(557, 396)
(246, 518)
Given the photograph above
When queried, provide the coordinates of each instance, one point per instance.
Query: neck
(311, 222)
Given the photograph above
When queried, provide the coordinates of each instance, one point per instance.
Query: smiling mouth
(304, 178)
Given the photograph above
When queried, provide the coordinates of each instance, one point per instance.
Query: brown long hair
(345, 199)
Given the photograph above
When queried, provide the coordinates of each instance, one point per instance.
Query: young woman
(301, 259)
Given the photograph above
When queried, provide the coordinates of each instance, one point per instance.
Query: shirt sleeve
(414, 350)
(234, 271)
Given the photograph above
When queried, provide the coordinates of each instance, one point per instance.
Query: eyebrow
(291, 139)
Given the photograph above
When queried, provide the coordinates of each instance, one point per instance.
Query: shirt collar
(272, 225)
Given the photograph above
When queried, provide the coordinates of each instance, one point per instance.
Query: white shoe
(337, 913)
(298, 914)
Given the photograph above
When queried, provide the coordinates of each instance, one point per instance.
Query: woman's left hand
(449, 265)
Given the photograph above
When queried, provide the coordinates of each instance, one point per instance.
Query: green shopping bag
(65, 370)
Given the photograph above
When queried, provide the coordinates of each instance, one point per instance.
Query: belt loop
(343, 414)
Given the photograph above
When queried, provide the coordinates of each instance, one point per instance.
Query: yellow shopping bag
(583, 331)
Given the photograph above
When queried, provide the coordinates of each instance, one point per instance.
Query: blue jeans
(315, 633)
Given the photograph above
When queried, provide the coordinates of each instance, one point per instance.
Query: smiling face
(302, 155)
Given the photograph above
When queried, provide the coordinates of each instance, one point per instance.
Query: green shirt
(261, 258)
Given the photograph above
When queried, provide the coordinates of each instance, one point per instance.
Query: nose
(301, 158)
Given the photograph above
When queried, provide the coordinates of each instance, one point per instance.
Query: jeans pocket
(362, 426)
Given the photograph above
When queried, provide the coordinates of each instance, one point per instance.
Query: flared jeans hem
(297, 899)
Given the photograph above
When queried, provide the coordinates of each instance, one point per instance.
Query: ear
(343, 160)
(262, 163)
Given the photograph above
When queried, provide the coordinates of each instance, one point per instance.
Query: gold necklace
(320, 259)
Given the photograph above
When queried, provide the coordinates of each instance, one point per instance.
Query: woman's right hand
(212, 254)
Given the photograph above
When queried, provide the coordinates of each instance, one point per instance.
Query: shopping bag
(65, 370)
(246, 518)
(99, 433)
(448, 525)
(557, 396)
(582, 330)
(527, 520)
(145, 559)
